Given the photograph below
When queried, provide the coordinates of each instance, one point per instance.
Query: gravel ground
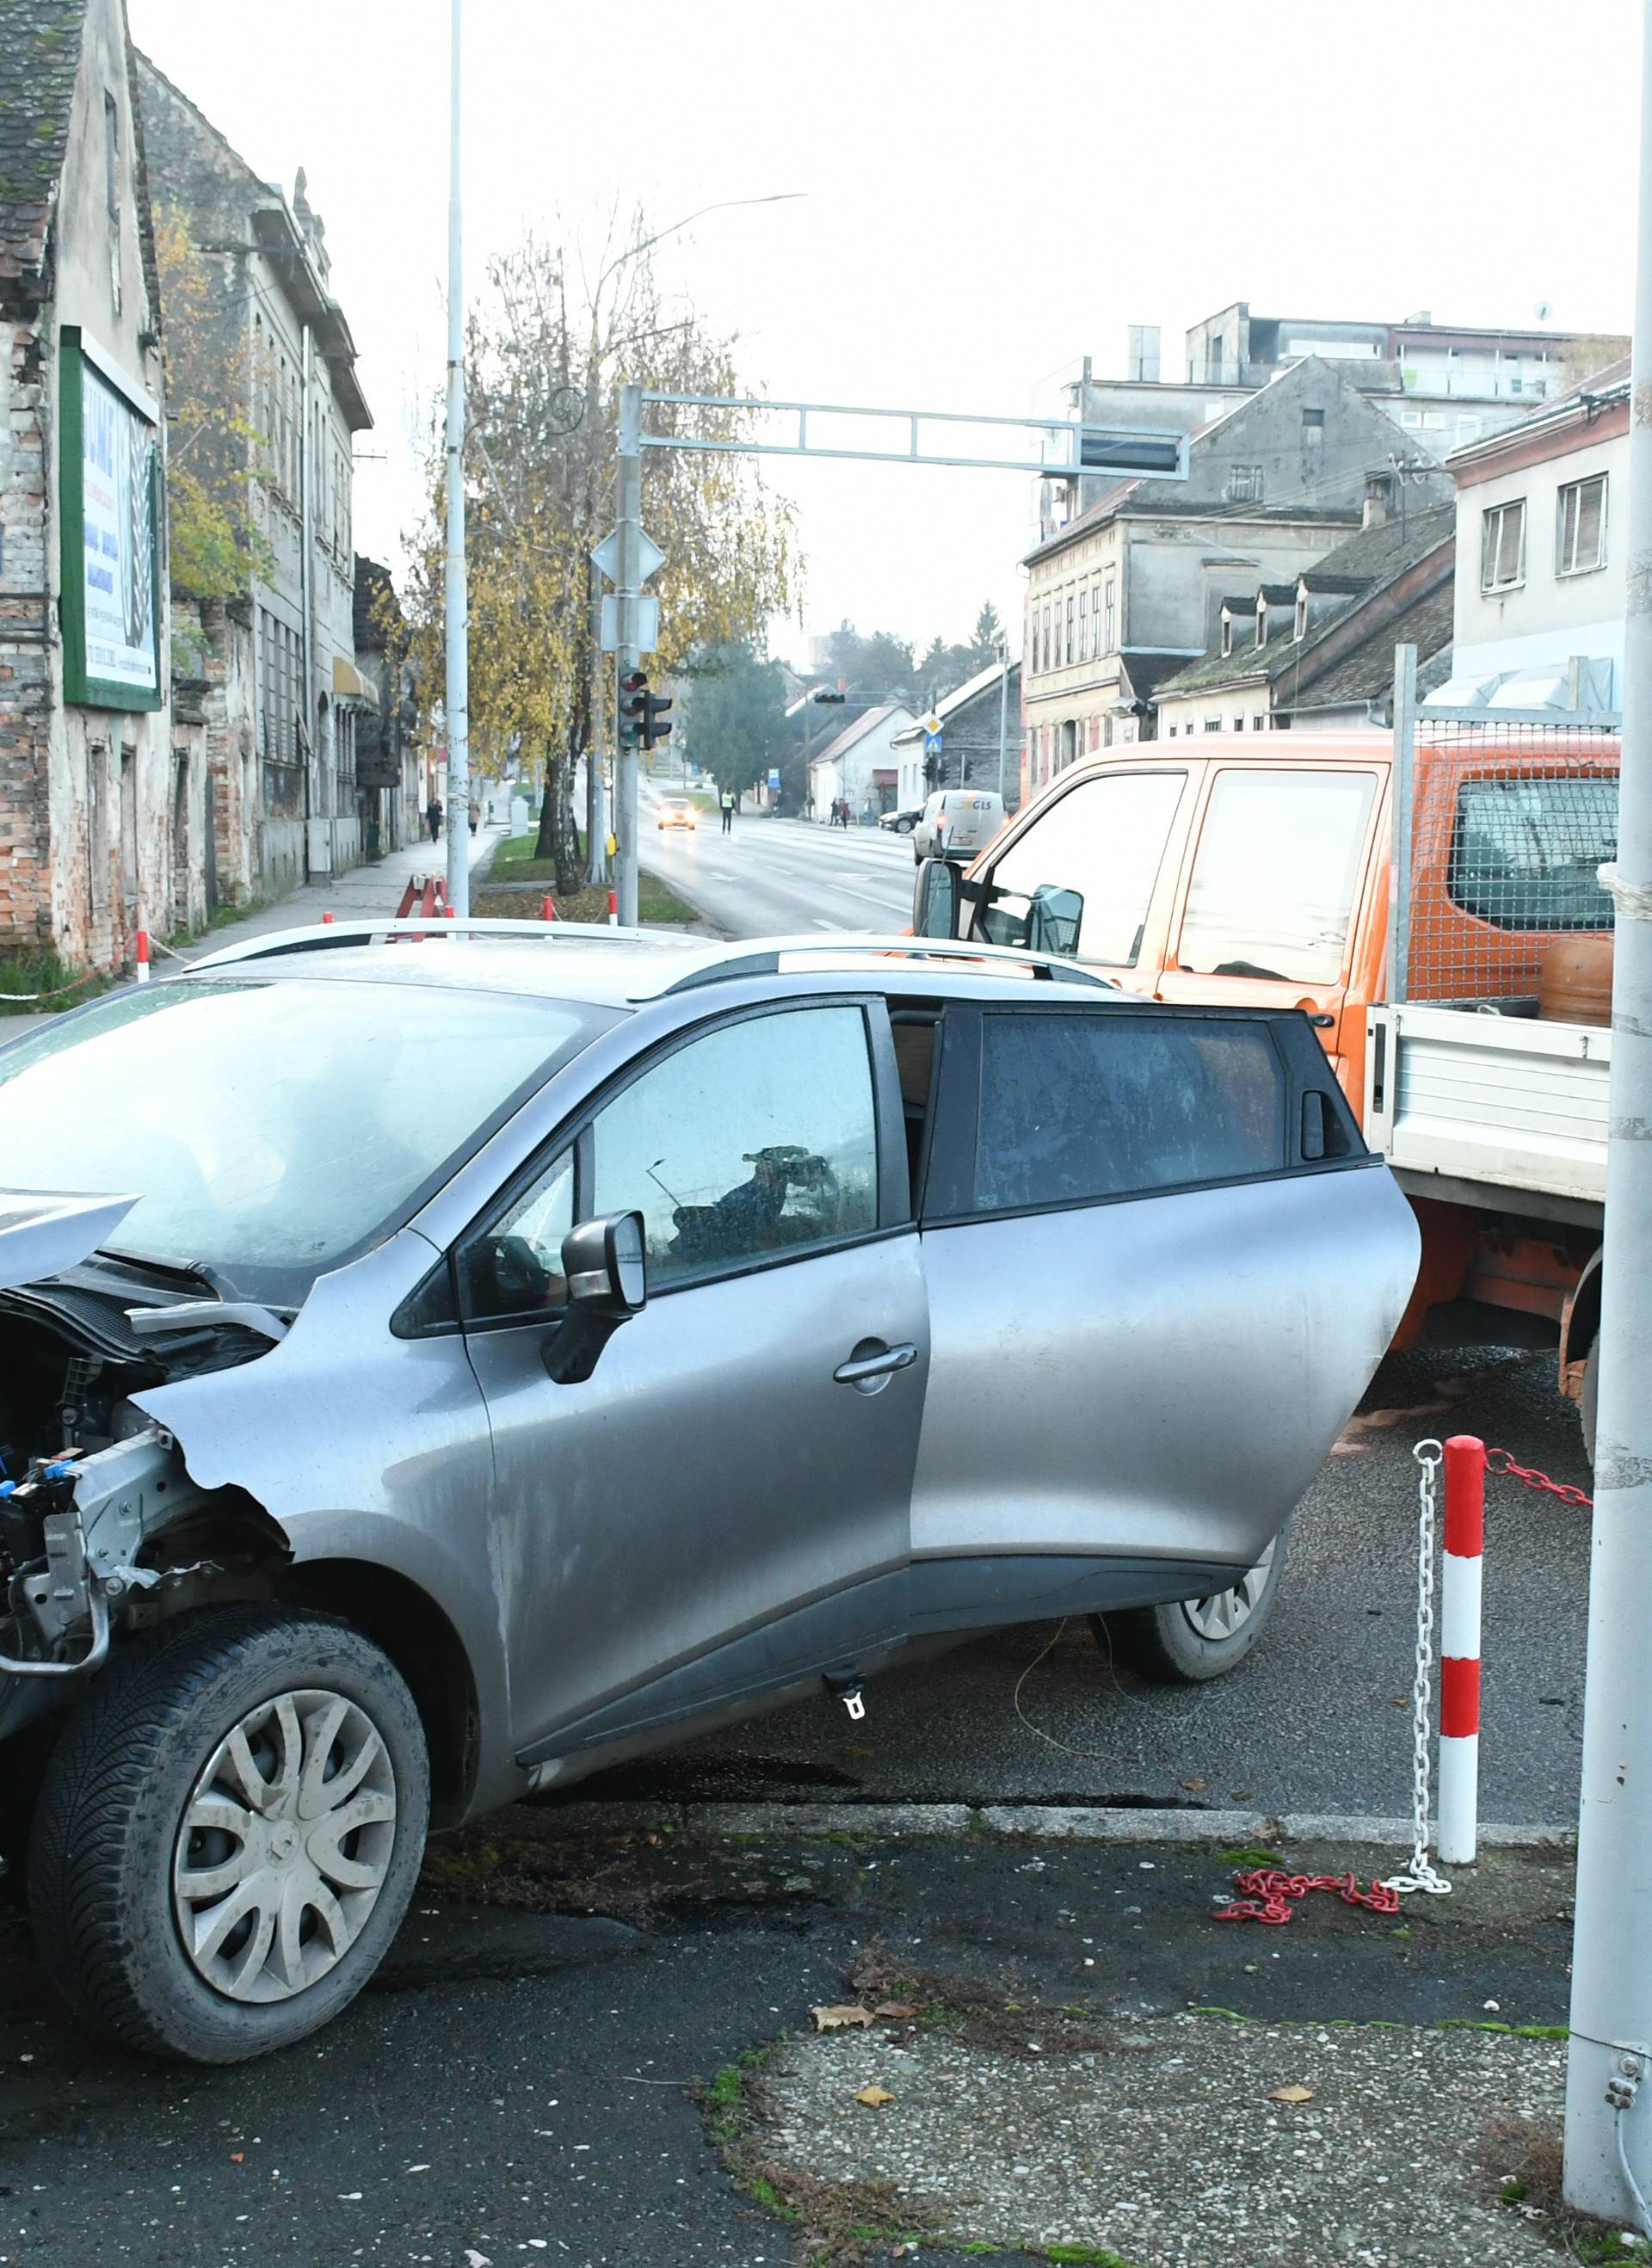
(1166, 2149)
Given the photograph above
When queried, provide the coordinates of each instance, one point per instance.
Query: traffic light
(640, 711)
(827, 696)
(654, 707)
(933, 769)
(633, 708)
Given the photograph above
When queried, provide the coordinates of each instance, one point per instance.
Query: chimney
(1379, 499)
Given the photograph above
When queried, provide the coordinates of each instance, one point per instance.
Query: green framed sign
(110, 503)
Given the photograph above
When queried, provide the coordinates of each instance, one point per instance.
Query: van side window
(1081, 879)
(1274, 875)
(1076, 1107)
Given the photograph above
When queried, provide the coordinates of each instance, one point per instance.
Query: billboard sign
(109, 482)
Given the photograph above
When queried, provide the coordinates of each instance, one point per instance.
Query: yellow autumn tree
(545, 354)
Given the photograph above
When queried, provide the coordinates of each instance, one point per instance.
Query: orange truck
(1261, 870)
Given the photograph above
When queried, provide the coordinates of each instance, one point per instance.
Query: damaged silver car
(431, 1371)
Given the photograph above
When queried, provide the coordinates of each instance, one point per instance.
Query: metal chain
(1531, 1478)
(1420, 1875)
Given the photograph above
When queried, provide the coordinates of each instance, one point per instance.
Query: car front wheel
(229, 1833)
(1193, 1639)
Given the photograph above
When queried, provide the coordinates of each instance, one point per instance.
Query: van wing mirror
(935, 898)
(1053, 917)
(605, 1264)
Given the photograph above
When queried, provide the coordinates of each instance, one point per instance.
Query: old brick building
(97, 820)
(273, 693)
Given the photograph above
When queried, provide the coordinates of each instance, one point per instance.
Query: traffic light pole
(1609, 2062)
(628, 658)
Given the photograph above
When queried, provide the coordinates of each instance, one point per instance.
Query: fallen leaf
(1194, 1787)
(894, 2008)
(873, 2097)
(834, 2019)
(238, 2157)
(1290, 2094)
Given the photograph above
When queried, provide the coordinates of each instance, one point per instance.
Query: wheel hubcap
(285, 1845)
(1225, 1613)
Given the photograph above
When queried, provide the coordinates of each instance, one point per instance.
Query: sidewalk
(355, 895)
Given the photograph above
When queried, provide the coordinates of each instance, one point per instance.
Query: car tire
(136, 1850)
(1192, 1640)
(904, 826)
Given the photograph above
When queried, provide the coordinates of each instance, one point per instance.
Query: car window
(514, 1266)
(1081, 877)
(1272, 891)
(1524, 851)
(757, 1140)
(1074, 1108)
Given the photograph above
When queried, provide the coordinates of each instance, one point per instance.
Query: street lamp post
(457, 703)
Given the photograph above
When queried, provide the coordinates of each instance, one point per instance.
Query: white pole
(1608, 2080)
(628, 608)
(1003, 711)
(458, 601)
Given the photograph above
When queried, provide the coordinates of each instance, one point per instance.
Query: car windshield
(271, 1128)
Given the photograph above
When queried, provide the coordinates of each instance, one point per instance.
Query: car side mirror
(1053, 916)
(604, 1262)
(935, 898)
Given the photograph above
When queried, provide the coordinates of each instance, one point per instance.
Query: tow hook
(845, 1686)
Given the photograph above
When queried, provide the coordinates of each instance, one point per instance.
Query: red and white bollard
(1464, 1461)
(613, 908)
(141, 954)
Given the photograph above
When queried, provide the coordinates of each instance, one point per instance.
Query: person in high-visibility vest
(728, 811)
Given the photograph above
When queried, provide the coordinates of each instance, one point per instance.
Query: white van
(956, 823)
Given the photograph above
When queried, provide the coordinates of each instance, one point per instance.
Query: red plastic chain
(1529, 1478)
(1269, 1892)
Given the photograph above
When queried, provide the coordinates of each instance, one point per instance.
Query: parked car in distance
(725, 1321)
(901, 822)
(677, 811)
(957, 822)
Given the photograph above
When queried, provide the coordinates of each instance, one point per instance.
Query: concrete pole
(457, 704)
(627, 606)
(595, 810)
(1609, 2142)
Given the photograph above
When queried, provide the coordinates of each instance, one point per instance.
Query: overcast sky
(989, 193)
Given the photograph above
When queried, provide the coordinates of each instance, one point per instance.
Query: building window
(1085, 632)
(1503, 547)
(1313, 422)
(1257, 723)
(1262, 627)
(1245, 484)
(1227, 637)
(1046, 637)
(1298, 629)
(1072, 611)
(1238, 724)
(1109, 635)
(1212, 723)
(1580, 537)
(1172, 733)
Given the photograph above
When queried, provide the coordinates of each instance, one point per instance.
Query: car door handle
(859, 1367)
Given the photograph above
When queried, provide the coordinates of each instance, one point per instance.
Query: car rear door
(1161, 1270)
(723, 1507)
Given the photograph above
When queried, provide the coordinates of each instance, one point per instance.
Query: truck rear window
(1524, 851)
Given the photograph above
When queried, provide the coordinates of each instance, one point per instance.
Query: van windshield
(272, 1128)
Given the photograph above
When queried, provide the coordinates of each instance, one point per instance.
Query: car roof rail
(321, 936)
(737, 960)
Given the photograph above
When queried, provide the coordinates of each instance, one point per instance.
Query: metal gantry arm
(1092, 451)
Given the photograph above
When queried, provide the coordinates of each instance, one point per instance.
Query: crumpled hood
(43, 1232)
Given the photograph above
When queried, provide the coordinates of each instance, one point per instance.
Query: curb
(1068, 1822)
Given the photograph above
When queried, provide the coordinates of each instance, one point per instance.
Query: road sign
(605, 556)
(774, 776)
(648, 622)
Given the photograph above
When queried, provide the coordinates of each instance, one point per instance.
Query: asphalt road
(522, 2086)
(781, 877)
(1317, 1719)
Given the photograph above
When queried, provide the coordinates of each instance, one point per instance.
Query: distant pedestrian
(843, 814)
(433, 816)
(728, 811)
(475, 816)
